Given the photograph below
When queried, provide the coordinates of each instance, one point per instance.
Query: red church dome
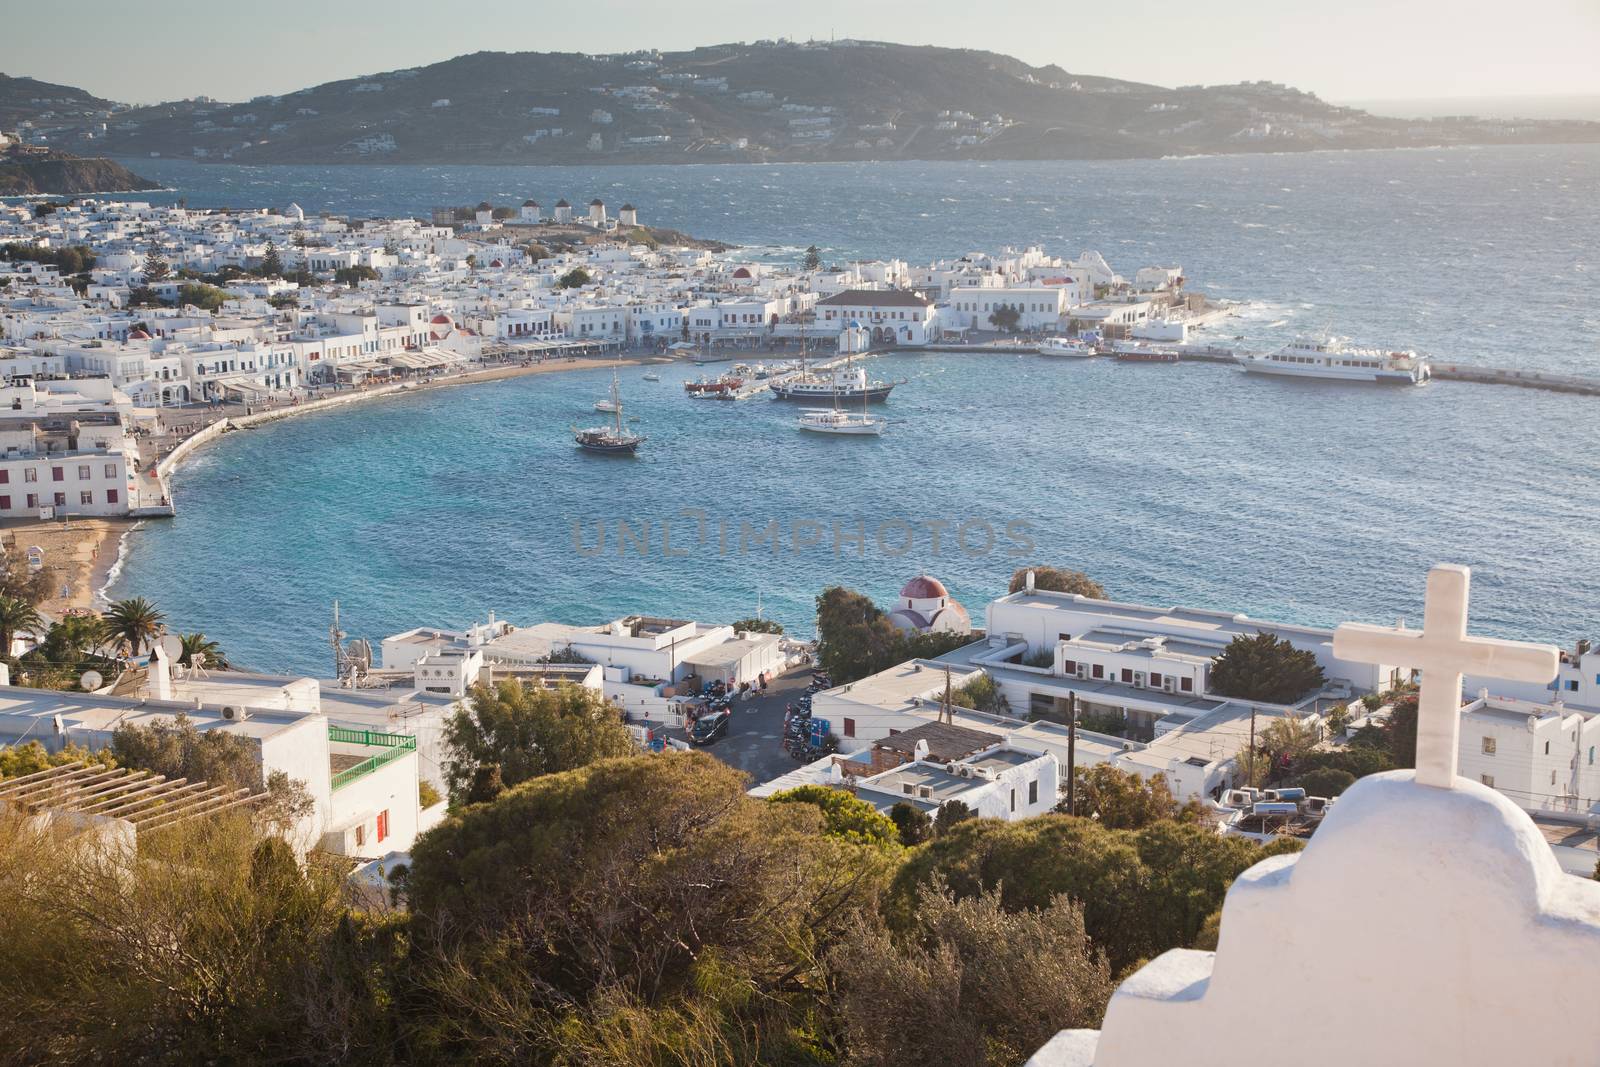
(923, 587)
(441, 319)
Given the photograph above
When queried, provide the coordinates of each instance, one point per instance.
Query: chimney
(920, 750)
(1030, 581)
(160, 674)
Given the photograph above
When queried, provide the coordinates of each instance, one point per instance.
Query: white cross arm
(1516, 661)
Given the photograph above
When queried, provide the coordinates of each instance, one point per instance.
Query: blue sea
(1177, 484)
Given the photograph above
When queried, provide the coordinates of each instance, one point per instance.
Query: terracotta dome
(441, 319)
(138, 335)
(742, 272)
(923, 587)
(495, 264)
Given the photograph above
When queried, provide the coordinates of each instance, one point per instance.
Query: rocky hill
(57, 173)
(768, 101)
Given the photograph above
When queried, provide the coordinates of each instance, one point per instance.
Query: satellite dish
(172, 645)
(90, 681)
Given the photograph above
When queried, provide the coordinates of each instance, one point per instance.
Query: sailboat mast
(616, 402)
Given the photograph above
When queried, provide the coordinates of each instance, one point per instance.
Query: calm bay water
(1189, 484)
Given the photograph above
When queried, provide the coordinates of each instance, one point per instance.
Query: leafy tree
(390, 248)
(1326, 781)
(1143, 891)
(949, 814)
(17, 616)
(427, 795)
(514, 732)
(646, 895)
(179, 749)
(969, 984)
(1400, 730)
(31, 757)
(271, 262)
(156, 269)
(1057, 580)
(844, 815)
(929, 645)
(283, 300)
(1119, 800)
(576, 278)
(143, 296)
(811, 260)
(199, 644)
(21, 581)
(72, 639)
(759, 626)
(1266, 668)
(911, 823)
(1103, 722)
(854, 637)
(981, 694)
(205, 297)
(212, 948)
(134, 623)
(1005, 318)
(354, 276)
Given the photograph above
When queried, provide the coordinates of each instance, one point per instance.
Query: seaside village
(96, 356)
(123, 323)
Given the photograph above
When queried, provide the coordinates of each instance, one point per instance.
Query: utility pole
(1072, 753)
(944, 711)
(1252, 780)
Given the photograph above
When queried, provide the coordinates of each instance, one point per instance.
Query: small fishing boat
(707, 388)
(651, 376)
(605, 406)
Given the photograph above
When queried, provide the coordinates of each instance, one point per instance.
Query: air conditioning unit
(1139, 678)
(966, 770)
(235, 714)
(951, 768)
(1169, 684)
(905, 787)
(925, 792)
(1082, 671)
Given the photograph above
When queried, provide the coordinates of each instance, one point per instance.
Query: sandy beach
(82, 552)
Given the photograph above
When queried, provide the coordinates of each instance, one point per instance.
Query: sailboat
(832, 420)
(609, 440)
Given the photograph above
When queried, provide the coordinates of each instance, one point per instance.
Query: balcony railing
(395, 746)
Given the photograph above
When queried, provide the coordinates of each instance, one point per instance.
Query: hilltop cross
(1443, 652)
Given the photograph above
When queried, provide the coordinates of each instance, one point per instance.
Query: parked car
(710, 726)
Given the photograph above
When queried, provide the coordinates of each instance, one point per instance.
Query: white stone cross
(1443, 652)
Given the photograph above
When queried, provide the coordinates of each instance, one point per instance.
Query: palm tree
(194, 644)
(134, 623)
(16, 616)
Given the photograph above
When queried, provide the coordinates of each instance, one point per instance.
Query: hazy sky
(1341, 49)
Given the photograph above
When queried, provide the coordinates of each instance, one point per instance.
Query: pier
(1458, 372)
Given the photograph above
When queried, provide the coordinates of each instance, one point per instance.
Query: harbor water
(1186, 483)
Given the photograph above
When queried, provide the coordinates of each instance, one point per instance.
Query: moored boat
(611, 440)
(844, 385)
(1332, 359)
(1070, 347)
(1142, 353)
(834, 421)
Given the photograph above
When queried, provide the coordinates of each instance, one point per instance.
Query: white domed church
(926, 606)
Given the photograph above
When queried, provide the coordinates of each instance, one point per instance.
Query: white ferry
(1331, 359)
(1070, 347)
(832, 420)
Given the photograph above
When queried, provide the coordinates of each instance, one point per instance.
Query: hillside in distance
(762, 102)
